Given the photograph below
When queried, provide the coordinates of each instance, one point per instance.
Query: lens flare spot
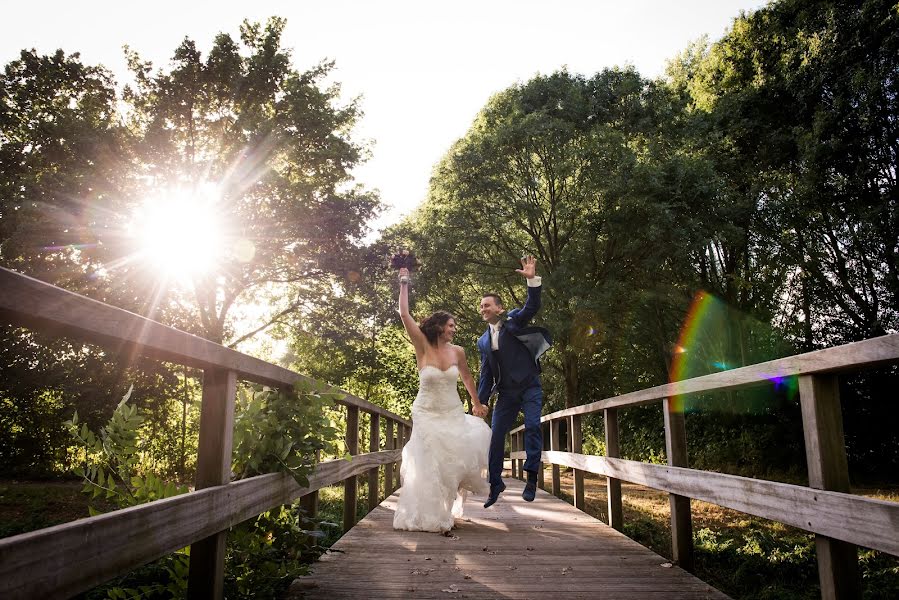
(179, 232)
(715, 338)
(244, 250)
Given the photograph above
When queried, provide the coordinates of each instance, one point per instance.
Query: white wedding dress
(445, 457)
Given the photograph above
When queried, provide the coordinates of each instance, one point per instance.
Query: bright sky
(423, 69)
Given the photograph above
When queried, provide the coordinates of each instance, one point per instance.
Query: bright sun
(181, 233)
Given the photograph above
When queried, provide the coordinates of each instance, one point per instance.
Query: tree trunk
(806, 312)
(570, 369)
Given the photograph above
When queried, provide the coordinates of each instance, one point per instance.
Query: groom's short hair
(496, 298)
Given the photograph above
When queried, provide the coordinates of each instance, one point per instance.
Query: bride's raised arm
(419, 341)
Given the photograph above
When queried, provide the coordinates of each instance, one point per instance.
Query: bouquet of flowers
(404, 259)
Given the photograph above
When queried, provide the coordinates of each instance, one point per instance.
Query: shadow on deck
(514, 549)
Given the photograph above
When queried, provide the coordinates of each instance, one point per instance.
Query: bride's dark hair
(433, 326)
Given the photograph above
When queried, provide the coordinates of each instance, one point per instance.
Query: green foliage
(112, 471)
(278, 430)
(274, 431)
(759, 563)
(267, 554)
(44, 380)
(112, 461)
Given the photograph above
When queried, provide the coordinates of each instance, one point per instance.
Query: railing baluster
(554, 445)
(400, 442)
(681, 521)
(519, 464)
(512, 461)
(207, 556)
(577, 447)
(389, 444)
(541, 476)
(613, 486)
(828, 469)
(374, 445)
(349, 484)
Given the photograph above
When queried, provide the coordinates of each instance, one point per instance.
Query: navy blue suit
(514, 372)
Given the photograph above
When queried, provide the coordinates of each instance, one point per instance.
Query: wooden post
(681, 521)
(577, 447)
(613, 486)
(541, 476)
(519, 464)
(513, 443)
(349, 484)
(555, 445)
(389, 444)
(512, 467)
(309, 503)
(400, 442)
(207, 556)
(374, 435)
(828, 469)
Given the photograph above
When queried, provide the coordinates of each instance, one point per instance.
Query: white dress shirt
(494, 334)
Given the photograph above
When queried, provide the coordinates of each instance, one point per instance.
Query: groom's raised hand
(528, 267)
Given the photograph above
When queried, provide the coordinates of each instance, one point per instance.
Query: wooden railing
(60, 561)
(839, 520)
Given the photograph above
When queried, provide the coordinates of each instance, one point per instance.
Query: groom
(509, 364)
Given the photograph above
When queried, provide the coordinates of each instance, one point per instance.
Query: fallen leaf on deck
(666, 565)
(453, 589)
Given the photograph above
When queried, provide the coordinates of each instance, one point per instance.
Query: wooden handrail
(857, 355)
(864, 521)
(43, 307)
(64, 560)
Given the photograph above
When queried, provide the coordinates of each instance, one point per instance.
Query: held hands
(528, 267)
(479, 410)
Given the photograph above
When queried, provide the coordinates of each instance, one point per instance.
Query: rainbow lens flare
(715, 338)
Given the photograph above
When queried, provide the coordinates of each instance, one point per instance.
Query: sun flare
(181, 234)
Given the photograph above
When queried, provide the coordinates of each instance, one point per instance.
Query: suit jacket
(520, 347)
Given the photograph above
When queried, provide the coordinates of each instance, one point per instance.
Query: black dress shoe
(495, 491)
(530, 489)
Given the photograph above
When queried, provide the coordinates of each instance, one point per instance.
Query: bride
(447, 454)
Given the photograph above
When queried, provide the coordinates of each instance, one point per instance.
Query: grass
(29, 505)
(745, 557)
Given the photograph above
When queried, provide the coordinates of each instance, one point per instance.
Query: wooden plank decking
(514, 549)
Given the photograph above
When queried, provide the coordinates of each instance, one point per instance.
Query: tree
(64, 159)
(568, 168)
(277, 147)
(803, 99)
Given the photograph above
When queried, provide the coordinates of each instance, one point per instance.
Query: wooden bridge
(572, 553)
(515, 549)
